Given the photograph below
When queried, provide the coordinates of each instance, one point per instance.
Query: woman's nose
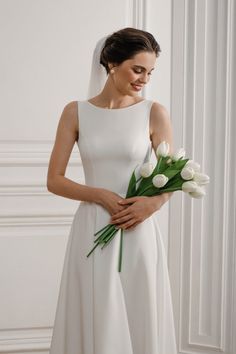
(144, 78)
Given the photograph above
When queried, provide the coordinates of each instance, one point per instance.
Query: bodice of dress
(112, 143)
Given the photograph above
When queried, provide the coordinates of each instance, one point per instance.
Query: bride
(99, 310)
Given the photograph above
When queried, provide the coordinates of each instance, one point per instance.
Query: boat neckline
(115, 109)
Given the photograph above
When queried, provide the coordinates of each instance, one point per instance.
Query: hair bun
(125, 43)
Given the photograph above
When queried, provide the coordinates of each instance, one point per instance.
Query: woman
(99, 310)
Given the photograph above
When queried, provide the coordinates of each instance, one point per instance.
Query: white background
(46, 53)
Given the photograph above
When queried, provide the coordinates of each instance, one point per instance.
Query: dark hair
(125, 44)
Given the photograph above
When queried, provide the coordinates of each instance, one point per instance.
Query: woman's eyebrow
(140, 66)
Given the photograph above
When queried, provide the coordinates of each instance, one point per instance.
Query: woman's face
(131, 75)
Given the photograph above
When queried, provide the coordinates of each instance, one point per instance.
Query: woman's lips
(137, 87)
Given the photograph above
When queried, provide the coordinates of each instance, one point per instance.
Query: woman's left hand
(141, 208)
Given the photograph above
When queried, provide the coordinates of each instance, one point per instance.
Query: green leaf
(170, 173)
(176, 181)
(179, 164)
(132, 186)
(149, 191)
(163, 165)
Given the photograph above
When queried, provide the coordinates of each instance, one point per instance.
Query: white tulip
(189, 186)
(162, 149)
(146, 169)
(201, 178)
(194, 165)
(159, 180)
(187, 173)
(198, 193)
(178, 154)
(137, 171)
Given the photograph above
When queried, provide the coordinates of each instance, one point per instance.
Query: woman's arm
(66, 135)
(160, 129)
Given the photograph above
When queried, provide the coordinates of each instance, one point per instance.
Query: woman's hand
(109, 200)
(140, 209)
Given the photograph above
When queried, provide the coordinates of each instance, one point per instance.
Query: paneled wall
(202, 232)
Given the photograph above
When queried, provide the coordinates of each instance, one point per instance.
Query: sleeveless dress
(101, 310)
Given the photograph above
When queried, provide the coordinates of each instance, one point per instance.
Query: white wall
(202, 232)
(44, 64)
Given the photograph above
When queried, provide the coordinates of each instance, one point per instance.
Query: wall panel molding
(136, 13)
(139, 12)
(7, 189)
(27, 220)
(31, 153)
(25, 340)
(202, 258)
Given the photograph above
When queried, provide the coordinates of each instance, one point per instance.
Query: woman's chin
(134, 93)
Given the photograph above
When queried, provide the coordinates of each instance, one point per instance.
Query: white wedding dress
(101, 310)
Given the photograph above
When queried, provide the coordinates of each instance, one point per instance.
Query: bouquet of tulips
(171, 173)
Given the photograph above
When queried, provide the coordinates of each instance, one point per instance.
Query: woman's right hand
(109, 200)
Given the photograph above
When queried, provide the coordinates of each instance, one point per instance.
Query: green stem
(120, 251)
(105, 233)
(109, 238)
(105, 227)
(105, 238)
(158, 163)
(92, 249)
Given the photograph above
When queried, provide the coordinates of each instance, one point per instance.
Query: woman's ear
(112, 65)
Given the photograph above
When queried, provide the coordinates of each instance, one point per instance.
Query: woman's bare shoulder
(160, 125)
(159, 115)
(158, 109)
(71, 108)
(70, 115)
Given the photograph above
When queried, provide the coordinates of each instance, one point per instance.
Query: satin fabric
(101, 310)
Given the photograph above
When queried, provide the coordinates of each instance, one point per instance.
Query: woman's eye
(139, 72)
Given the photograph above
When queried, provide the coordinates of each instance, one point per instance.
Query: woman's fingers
(120, 219)
(120, 214)
(129, 225)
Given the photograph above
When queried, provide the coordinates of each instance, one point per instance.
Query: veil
(98, 75)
